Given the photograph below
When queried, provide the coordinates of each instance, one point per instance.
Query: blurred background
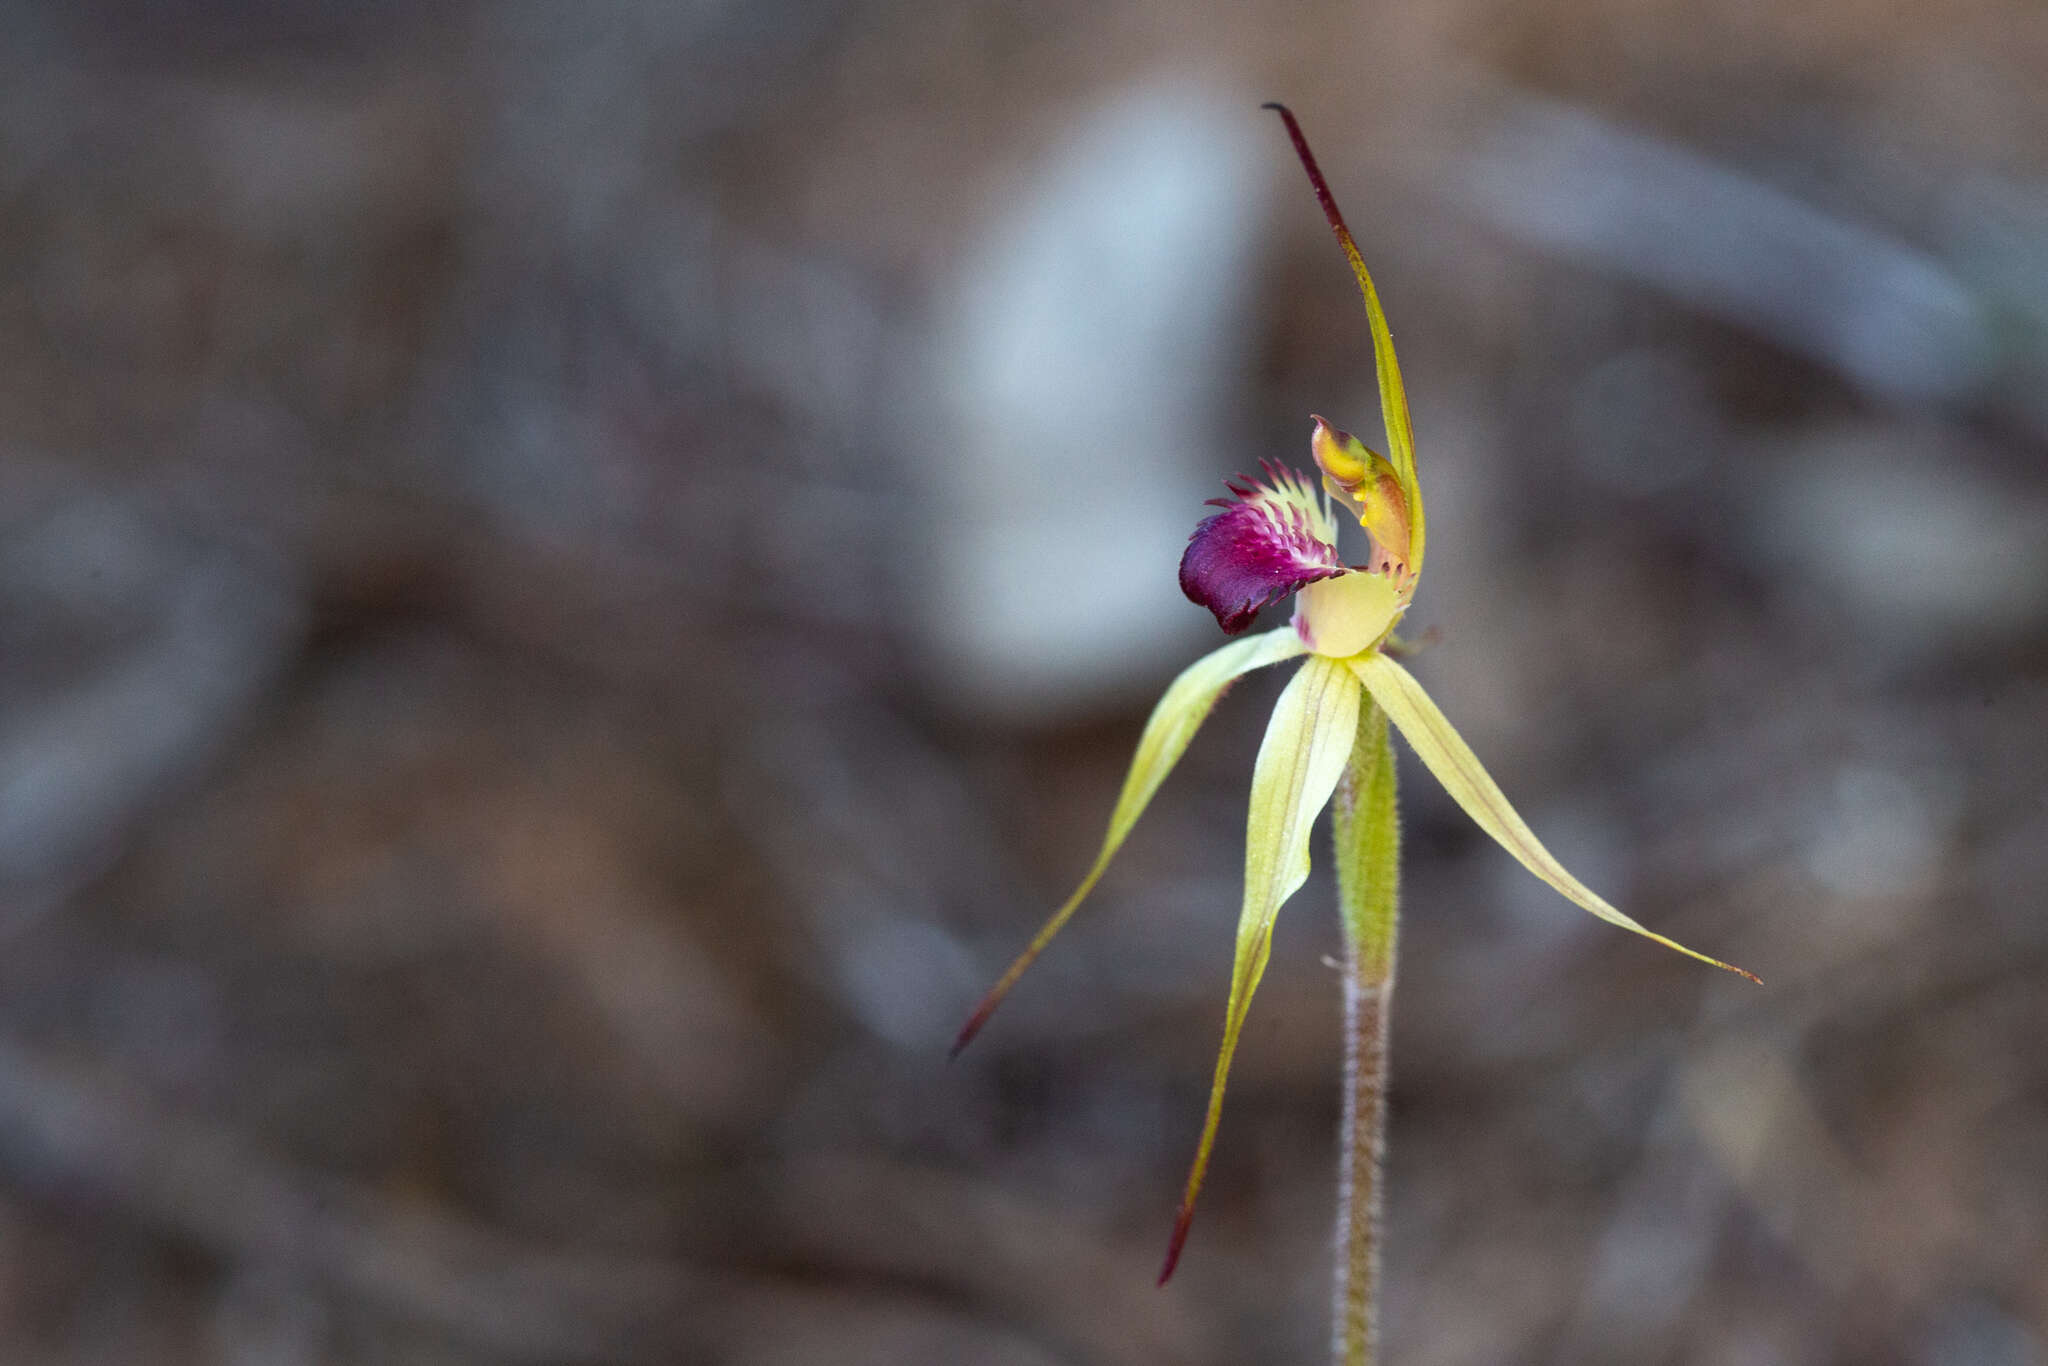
(575, 579)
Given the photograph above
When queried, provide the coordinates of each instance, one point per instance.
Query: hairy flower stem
(1368, 839)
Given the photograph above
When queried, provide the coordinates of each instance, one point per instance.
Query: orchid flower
(1273, 537)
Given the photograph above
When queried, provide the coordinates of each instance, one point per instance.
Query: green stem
(1368, 862)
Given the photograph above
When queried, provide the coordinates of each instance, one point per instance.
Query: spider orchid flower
(1274, 537)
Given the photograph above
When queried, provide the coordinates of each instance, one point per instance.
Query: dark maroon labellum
(1260, 548)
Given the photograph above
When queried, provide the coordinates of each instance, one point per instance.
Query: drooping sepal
(1271, 538)
(1303, 755)
(1444, 753)
(1176, 717)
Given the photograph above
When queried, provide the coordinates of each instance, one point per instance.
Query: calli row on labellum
(1274, 537)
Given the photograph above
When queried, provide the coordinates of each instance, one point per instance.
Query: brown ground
(490, 863)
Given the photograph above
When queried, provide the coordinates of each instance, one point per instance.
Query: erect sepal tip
(1393, 393)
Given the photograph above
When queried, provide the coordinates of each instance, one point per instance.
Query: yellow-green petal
(1303, 755)
(1176, 717)
(1444, 753)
